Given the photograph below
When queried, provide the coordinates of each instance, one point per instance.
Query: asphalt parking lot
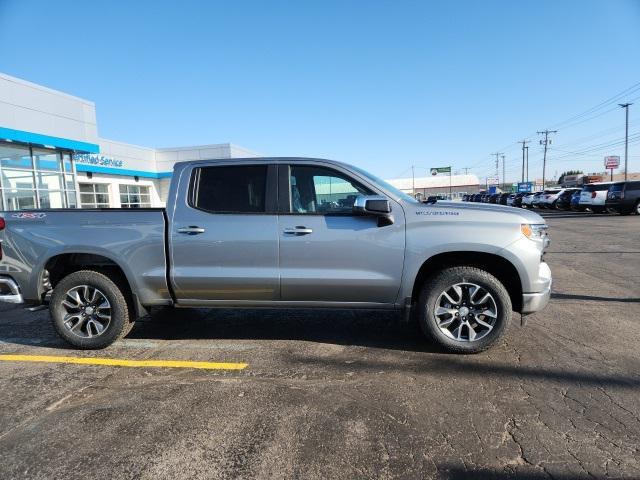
(346, 394)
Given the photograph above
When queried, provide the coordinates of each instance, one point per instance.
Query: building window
(35, 178)
(134, 196)
(94, 195)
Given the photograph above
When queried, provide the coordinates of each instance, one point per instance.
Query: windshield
(387, 186)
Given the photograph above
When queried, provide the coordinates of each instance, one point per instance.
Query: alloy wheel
(88, 311)
(466, 312)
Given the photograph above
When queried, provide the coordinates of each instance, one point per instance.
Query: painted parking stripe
(121, 362)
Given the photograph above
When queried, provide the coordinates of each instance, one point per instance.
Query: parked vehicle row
(601, 197)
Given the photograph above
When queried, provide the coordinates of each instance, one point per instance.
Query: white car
(527, 199)
(594, 195)
(548, 199)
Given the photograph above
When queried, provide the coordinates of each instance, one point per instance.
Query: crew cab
(279, 232)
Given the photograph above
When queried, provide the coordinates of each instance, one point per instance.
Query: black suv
(624, 197)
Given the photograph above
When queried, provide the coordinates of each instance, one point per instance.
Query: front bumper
(534, 302)
(9, 291)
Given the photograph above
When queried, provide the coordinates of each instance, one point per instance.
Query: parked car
(493, 198)
(502, 199)
(624, 197)
(268, 232)
(516, 201)
(594, 196)
(575, 201)
(527, 200)
(564, 198)
(535, 201)
(549, 198)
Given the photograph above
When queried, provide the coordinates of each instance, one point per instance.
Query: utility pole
(626, 138)
(524, 143)
(504, 176)
(497, 154)
(466, 170)
(527, 156)
(413, 180)
(545, 142)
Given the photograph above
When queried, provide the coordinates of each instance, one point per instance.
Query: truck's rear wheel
(464, 309)
(89, 310)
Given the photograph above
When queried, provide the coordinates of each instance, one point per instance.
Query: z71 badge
(29, 216)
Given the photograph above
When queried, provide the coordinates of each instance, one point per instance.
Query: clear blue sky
(381, 84)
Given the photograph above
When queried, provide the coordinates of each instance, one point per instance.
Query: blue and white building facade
(52, 157)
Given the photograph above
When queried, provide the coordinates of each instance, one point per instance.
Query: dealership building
(51, 156)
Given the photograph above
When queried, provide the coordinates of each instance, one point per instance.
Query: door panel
(226, 256)
(340, 257)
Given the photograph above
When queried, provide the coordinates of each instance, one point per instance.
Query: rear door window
(230, 189)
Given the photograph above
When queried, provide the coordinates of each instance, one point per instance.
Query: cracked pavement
(347, 394)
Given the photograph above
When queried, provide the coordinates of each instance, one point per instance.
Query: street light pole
(626, 138)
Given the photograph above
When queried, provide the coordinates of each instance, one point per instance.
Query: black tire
(636, 209)
(119, 324)
(441, 281)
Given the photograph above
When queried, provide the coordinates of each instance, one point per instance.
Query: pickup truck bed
(133, 239)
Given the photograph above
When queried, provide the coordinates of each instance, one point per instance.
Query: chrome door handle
(298, 231)
(191, 230)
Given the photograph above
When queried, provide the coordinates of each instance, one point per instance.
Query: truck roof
(262, 159)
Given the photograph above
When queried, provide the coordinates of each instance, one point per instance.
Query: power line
(632, 89)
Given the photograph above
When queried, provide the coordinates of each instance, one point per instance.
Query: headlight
(534, 231)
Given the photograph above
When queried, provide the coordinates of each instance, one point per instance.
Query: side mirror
(376, 206)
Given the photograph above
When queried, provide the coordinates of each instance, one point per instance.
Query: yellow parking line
(120, 362)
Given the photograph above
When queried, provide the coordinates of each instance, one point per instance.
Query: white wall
(33, 108)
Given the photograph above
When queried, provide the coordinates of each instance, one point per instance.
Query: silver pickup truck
(279, 233)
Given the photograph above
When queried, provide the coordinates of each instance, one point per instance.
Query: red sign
(611, 162)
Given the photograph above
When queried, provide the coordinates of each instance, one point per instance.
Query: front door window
(318, 190)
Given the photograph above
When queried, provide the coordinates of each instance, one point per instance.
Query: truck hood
(469, 212)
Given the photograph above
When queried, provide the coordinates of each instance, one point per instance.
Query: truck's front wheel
(89, 310)
(464, 309)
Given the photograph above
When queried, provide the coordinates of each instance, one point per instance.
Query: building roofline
(35, 86)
